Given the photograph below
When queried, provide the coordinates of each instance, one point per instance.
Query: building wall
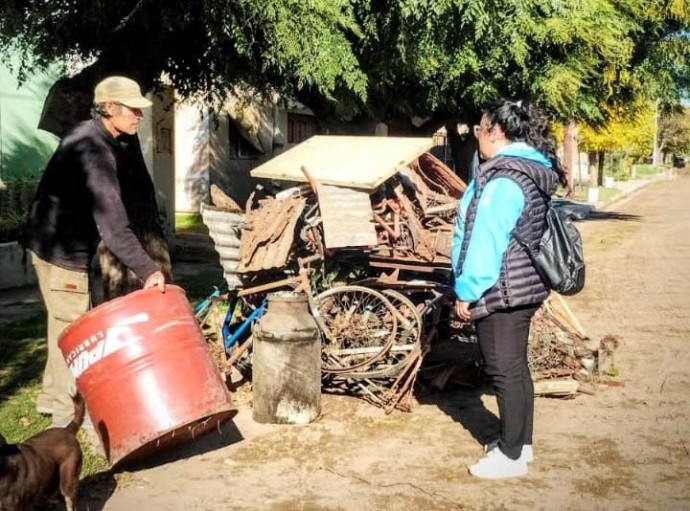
(211, 149)
(223, 149)
(231, 158)
(191, 149)
(157, 136)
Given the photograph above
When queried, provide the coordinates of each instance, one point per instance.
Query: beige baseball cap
(118, 89)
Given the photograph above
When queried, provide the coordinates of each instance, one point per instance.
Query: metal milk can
(286, 364)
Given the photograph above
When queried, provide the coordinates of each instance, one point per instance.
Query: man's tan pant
(66, 297)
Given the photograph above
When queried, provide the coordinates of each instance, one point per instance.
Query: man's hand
(156, 280)
(462, 309)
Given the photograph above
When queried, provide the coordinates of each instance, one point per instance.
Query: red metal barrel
(146, 374)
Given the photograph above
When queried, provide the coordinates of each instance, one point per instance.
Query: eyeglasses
(477, 129)
(134, 110)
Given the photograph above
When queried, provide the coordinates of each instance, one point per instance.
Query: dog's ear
(7, 449)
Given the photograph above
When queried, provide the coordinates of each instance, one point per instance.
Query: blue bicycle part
(231, 339)
(202, 310)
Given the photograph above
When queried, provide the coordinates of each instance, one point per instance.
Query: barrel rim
(224, 415)
(106, 308)
(287, 296)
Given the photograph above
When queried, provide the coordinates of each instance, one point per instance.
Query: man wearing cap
(78, 203)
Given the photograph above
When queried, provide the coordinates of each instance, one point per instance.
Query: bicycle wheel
(406, 341)
(358, 325)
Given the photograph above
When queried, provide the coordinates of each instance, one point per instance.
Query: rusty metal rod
(240, 350)
(272, 285)
(387, 227)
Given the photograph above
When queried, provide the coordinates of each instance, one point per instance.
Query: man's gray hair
(98, 111)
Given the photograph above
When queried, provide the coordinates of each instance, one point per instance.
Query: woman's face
(483, 133)
(488, 137)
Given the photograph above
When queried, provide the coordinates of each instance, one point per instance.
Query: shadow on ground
(23, 354)
(95, 490)
(226, 435)
(465, 407)
(452, 379)
(612, 215)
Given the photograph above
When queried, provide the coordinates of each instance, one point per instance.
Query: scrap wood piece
(556, 387)
(443, 243)
(557, 307)
(423, 245)
(255, 230)
(221, 200)
(362, 162)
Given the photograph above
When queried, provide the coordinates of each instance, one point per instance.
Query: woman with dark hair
(496, 284)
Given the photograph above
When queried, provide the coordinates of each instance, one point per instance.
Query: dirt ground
(627, 447)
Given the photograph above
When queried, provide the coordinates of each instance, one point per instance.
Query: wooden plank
(351, 161)
(570, 317)
(556, 387)
(347, 217)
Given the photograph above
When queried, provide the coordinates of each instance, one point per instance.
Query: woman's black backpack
(560, 259)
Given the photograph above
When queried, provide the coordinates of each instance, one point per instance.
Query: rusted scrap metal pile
(336, 244)
(413, 217)
(563, 359)
(372, 252)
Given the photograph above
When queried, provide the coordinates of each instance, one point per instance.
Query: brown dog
(33, 471)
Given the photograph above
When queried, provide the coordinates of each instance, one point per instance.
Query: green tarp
(24, 149)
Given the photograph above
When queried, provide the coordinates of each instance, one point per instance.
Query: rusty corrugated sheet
(268, 234)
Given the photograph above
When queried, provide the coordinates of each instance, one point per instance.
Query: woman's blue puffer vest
(519, 283)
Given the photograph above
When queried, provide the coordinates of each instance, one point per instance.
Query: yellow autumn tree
(628, 131)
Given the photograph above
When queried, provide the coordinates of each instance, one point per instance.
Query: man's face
(124, 119)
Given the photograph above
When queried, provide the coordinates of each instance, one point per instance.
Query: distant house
(222, 148)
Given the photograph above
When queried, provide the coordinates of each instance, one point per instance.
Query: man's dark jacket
(78, 203)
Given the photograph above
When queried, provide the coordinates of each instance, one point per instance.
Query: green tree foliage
(438, 59)
(205, 47)
(420, 56)
(450, 55)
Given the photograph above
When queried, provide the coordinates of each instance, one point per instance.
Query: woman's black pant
(503, 337)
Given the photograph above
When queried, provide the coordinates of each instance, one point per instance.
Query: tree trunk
(70, 98)
(601, 160)
(570, 151)
(593, 169)
(464, 150)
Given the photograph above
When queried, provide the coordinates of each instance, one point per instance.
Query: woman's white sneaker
(526, 455)
(496, 465)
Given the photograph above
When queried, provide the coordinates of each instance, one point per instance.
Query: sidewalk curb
(623, 196)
